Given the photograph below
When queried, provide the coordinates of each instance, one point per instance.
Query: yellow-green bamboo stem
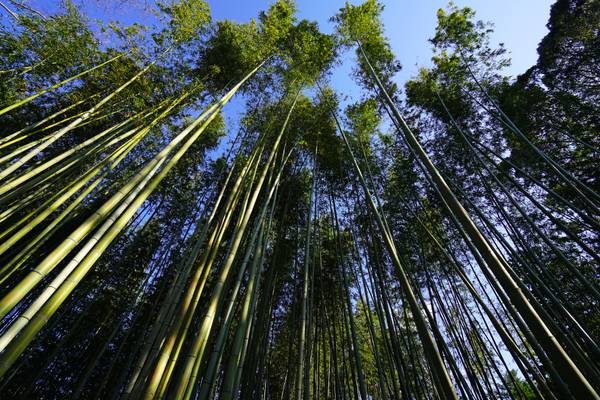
(107, 145)
(440, 374)
(169, 356)
(256, 244)
(24, 69)
(151, 344)
(165, 353)
(47, 303)
(117, 156)
(20, 150)
(12, 13)
(38, 149)
(197, 349)
(13, 207)
(171, 352)
(173, 343)
(40, 130)
(17, 181)
(55, 204)
(21, 322)
(55, 86)
(48, 175)
(29, 133)
(40, 123)
(48, 264)
(207, 268)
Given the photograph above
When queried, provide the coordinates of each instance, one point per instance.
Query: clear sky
(519, 24)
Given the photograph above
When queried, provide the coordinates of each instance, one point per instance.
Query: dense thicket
(439, 240)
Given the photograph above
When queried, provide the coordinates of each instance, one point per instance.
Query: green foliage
(361, 25)
(363, 119)
(127, 38)
(459, 42)
(188, 19)
(518, 387)
(457, 34)
(61, 42)
(555, 102)
(423, 90)
(569, 56)
(182, 182)
(49, 50)
(308, 52)
(231, 52)
(455, 27)
(276, 23)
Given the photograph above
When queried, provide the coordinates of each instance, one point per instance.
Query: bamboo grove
(435, 241)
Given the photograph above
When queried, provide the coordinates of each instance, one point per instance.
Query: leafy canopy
(361, 25)
(309, 52)
(232, 50)
(459, 43)
(188, 19)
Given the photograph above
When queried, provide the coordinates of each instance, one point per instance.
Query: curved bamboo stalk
(56, 201)
(112, 132)
(33, 244)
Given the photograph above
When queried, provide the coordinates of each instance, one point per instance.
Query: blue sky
(519, 24)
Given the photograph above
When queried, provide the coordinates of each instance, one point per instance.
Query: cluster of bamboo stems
(213, 329)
